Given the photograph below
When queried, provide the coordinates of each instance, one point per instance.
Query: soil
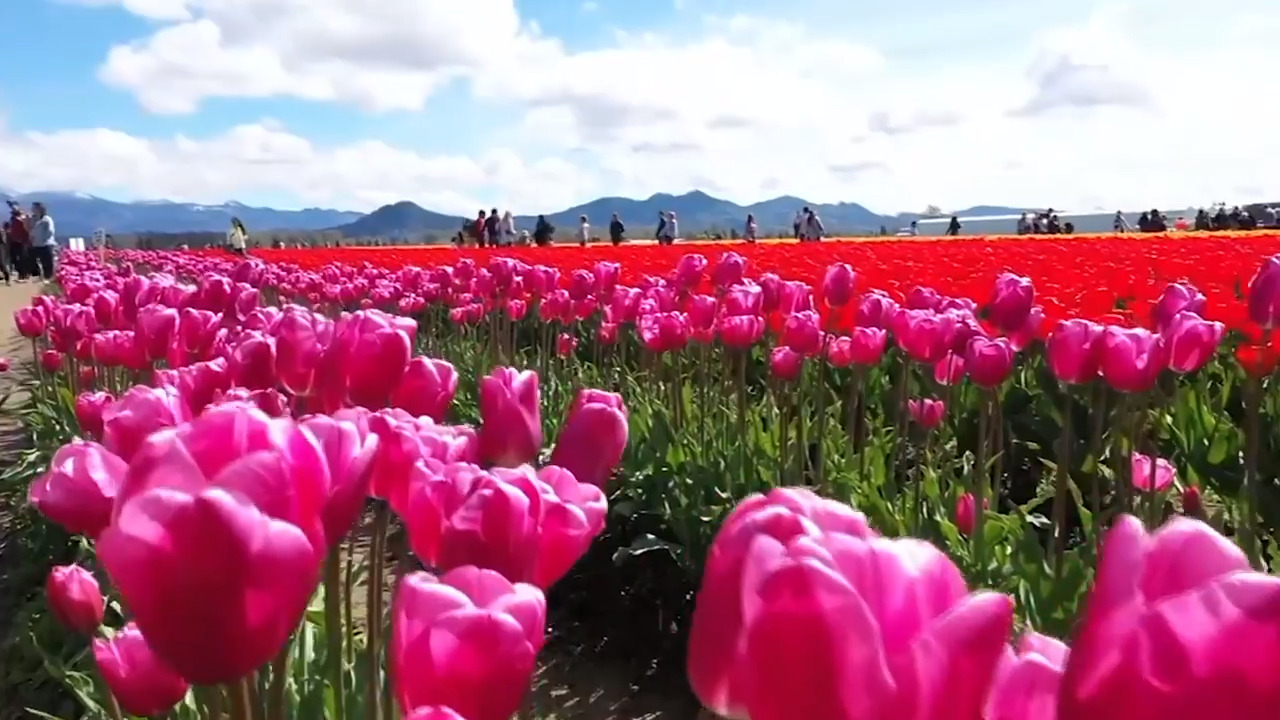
(12, 439)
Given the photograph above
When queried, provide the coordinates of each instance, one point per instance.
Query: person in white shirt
(749, 232)
(584, 230)
(237, 237)
(797, 225)
(671, 230)
(1120, 224)
(813, 228)
(508, 229)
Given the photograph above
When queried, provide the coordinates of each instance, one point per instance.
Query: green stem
(333, 628)
(373, 621)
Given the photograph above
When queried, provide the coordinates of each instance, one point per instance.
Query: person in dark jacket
(492, 231)
(478, 229)
(543, 232)
(617, 231)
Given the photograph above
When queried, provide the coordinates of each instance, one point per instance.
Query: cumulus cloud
(749, 107)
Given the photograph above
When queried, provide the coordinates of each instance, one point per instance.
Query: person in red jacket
(17, 241)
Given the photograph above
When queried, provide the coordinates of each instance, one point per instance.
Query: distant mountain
(81, 214)
(696, 212)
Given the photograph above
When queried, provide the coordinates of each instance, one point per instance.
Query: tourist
(1053, 227)
(1157, 222)
(18, 240)
(670, 229)
(617, 231)
(508, 229)
(43, 241)
(749, 232)
(798, 224)
(523, 240)
(1024, 225)
(478, 229)
(813, 230)
(584, 231)
(237, 237)
(1202, 222)
(659, 234)
(543, 231)
(1120, 224)
(491, 229)
(953, 228)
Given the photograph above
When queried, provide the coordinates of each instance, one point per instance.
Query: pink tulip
(924, 335)
(531, 526)
(1074, 351)
(75, 599)
(427, 388)
(216, 540)
(4, 364)
(80, 489)
(1177, 298)
(1264, 294)
(1132, 358)
(718, 672)
(140, 681)
(785, 364)
(1176, 625)
(740, 332)
(366, 359)
(862, 346)
(926, 412)
(142, 410)
(31, 322)
(1011, 301)
(253, 362)
(1141, 469)
(949, 370)
(838, 284)
(838, 625)
(88, 408)
(511, 429)
(51, 361)
(593, 438)
(802, 333)
(156, 330)
(988, 361)
(662, 332)
(467, 641)
(876, 310)
(743, 299)
(403, 440)
(566, 345)
(349, 454)
(1192, 341)
(966, 514)
(701, 310)
(1026, 684)
(301, 339)
(730, 270)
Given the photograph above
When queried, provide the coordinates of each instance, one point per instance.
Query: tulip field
(1024, 479)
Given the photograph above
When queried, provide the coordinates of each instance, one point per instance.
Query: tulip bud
(140, 681)
(1192, 503)
(75, 599)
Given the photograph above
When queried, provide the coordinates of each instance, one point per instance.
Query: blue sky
(544, 103)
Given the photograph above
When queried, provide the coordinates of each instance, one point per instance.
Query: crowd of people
(28, 243)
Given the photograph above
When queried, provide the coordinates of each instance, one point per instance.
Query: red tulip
(966, 515)
(75, 599)
(139, 680)
(511, 419)
(51, 361)
(467, 641)
(1192, 503)
(80, 488)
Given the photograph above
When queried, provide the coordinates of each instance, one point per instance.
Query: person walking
(238, 237)
(491, 230)
(584, 231)
(797, 225)
(43, 241)
(670, 229)
(813, 230)
(617, 231)
(543, 232)
(19, 240)
(749, 232)
(508, 229)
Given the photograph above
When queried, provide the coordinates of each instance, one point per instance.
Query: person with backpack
(617, 230)
(18, 240)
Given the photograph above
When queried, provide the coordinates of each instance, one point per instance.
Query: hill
(696, 211)
(81, 214)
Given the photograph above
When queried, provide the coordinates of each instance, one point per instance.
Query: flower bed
(737, 438)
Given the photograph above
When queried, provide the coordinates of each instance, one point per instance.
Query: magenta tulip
(80, 489)
(427, 388)
(593, 438)
(511, 429)
(137, 677)
(1074, 351)
(75, 598)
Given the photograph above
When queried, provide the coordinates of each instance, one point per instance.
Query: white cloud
(1122, 106)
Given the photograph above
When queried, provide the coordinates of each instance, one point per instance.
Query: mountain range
(81, 214)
